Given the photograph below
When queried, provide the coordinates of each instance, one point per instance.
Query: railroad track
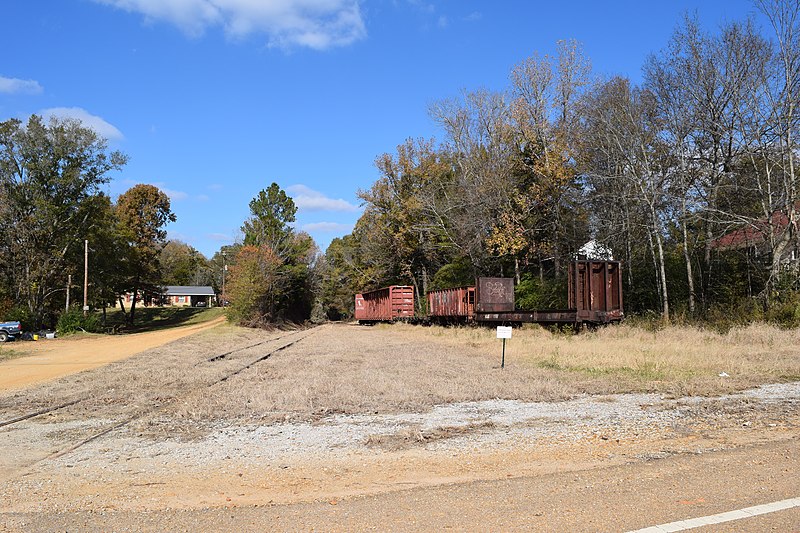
(284, 341)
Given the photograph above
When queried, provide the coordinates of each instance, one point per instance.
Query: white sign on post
(504, 332)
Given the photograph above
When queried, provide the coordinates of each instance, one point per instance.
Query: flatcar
(594, 298)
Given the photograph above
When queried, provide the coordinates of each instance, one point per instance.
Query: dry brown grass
(676, 360)
(384, 369)
(7, 353)
(352, 369)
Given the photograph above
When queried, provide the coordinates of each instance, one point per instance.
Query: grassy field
(156, 318)
(147, 319)
(351, 369)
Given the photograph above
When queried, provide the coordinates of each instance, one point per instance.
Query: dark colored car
(10, 331)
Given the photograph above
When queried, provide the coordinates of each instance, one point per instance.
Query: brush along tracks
(130, 395)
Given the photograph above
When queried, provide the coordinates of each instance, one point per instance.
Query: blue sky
(213, 100)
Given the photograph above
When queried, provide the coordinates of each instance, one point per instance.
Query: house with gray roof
(187, 295)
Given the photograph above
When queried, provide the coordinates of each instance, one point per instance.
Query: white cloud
(327, 227)
(308, 199)
(220, 237)
(174, 196)
(100, 126)
(17, 86)
(317, 24)
(177, 236)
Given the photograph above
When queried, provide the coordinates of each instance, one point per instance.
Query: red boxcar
(457, 303)
(385, 305)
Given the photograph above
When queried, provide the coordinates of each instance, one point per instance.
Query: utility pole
(69, 282)
(85, 276)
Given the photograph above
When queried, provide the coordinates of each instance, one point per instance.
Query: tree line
(55, 220)
(53, 210)
(689, 177)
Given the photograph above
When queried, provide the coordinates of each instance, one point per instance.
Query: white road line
(747, 512)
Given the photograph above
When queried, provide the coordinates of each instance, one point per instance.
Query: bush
(21, 315)
(73, 321)
(456, 274)
(533, 293)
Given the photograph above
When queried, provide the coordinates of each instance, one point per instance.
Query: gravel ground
(444, 429)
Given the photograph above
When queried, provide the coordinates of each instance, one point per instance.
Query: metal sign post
(503, 332)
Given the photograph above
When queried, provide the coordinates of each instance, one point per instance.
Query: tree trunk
(133, 301)
(688, 259)
(656, 270)
(664, 295)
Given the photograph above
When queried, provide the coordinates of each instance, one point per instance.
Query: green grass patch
(158, 318)
(646, 371)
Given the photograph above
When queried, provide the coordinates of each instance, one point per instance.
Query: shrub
(73, 321)
(456, 274)
(535, 293)
(21, 315)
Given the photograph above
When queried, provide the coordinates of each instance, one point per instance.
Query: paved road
(618, 498)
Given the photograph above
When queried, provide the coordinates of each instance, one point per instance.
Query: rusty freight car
(595, 290)
(385, 305)
(451, 305)
(594, 297)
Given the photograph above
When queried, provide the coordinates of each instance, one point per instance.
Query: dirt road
(617, 498)
(51, 359)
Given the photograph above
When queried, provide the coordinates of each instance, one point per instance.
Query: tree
(405, 240)
(283, 259)
(628, 160)
(341, 271)
(181, 264)
(50, 179)
(143, 211)
(251, 283)
(547, 218)
(108, 266)
(782, 157)
(272, 212)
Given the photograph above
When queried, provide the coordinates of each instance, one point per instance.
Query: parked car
(200, 304)
(9, 331)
